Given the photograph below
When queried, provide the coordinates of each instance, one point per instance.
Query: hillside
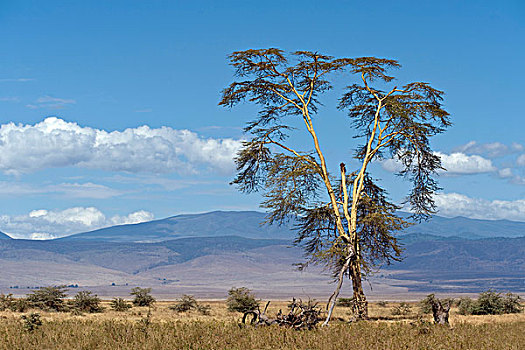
(218, 223)
(4, 236)
(248, 224)
(468, 228)
(211, 265)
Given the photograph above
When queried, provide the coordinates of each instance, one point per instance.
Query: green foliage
(49, 298)
(465, 306)
(8, 302)
(338, 213)
(142, 296)
(425, 305)
(119, 304)
(185, 303)
(188, 303)
(512, 304)
(490, 303)
(345, 302)
(402, 309)
(241, 300)
(84, 301)
(31, 321)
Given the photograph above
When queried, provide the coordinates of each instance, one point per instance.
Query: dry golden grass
(167, 329)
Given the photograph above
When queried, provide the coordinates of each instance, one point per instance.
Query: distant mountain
(4, 236)
(248, 224)
(212, 265)
(218, 223)
(468, 228)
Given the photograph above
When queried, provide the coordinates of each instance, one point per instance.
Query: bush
(48, 298)
(345, 302)
(511, 304)
(241, 300)
(401, 309)
(119, 304)
(425, 305)
(142, 296)
(490, 303)
(382, 303)
(31, 321)
(84, 301)
(187, 303)
(465, 306)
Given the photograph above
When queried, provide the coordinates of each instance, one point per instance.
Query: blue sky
(108, 109)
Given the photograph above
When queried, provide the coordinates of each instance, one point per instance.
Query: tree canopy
(344, 219)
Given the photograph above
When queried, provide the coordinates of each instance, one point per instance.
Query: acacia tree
(344, 219)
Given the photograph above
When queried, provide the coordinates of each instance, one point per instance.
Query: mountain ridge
(248, 224)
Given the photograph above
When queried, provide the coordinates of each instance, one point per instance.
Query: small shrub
(402, 309)
(511, 304)
(142, 296)
(48, 298)
(488, 303)
(204, 309)
(425, 305)
(465, 306)
(345, 302)
(6, 301)
(187, 303)
(382, 303)
(19, 305)
(241, 300)
(84, 301)
(31, 321)
(119, 304)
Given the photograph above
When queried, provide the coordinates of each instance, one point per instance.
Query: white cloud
(133, 218)
(10, 99)
(56, 143)
(491, 150)
(15, 80)
(462, 164)
(45, 224)
(521, 160)
(455, 164)
(70, 190)
(505, 173)
(455, 204)
(51, 102)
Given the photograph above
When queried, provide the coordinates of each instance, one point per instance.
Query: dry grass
(220, 330)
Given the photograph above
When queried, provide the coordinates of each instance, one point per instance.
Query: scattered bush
(241, 300)
(142, 296)
(402, 309)
(48, 298)
(425, 305)
(31, 321)
(345, 302)
(119, 304)
(490, 303)
(465, 306)
(382, 303)
(187, 303)
(512, 304)
(84, 301)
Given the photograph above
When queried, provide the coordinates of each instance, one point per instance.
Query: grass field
(165, 329)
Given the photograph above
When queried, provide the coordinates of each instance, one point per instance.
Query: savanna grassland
(162, 328)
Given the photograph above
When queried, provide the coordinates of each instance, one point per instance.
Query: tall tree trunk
(360, 305)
